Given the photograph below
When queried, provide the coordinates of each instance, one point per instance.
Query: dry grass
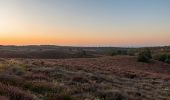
(105, 78)
(15, 93)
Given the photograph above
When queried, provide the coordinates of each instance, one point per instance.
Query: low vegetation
(145, 56)
(102, 77)
(129, 52)
(76, 80)
(164, 57)
(119, 52)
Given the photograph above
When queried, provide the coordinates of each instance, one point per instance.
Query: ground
(101, 78)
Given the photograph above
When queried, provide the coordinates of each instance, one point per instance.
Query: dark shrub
(168, 59)
(122, 52)
(130, 75)
(131, 52)
(144, 56)
(164, 57)
(113, 53)
(119, 52)
(83, 53)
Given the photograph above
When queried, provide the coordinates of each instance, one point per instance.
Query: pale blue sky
(87, 22)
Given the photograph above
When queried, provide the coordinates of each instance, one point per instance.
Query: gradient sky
(85, 22)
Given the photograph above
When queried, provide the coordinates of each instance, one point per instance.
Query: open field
(94, 77)
(105, 78)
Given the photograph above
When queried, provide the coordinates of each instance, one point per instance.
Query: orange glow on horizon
(85, 41)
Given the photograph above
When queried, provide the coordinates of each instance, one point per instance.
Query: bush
(83, 53)
(131, 52)
(119, 52)
(113, 53)
(145, 56)
(164, 57)
(161, 57)
(167, 61)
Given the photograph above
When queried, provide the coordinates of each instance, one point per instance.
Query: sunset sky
(85, 22)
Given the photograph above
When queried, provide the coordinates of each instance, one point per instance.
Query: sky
(85, 22)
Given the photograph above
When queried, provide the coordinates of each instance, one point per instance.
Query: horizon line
(87, 46)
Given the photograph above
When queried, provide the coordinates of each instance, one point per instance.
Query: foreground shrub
(164, 57)
(161, 57)
(145, 56)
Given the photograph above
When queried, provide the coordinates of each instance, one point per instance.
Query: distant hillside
(54, 52)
